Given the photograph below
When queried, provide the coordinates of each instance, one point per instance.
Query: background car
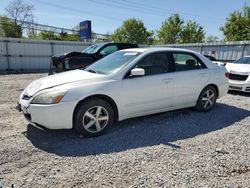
(76, 60)
(214, 60)
(239, 72)
(125, 84)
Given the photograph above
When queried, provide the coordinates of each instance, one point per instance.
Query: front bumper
(239, 86)
(54, 116)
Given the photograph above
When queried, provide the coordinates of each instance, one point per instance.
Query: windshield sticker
(130, 53)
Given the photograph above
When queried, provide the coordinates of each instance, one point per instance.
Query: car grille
(247, 88)
(237, 77)
(235, 87)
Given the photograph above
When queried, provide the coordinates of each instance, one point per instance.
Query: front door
(153, 91)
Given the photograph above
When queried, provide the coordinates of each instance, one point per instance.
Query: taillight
(227, 74)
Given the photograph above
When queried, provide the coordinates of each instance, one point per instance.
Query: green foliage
(170, 30)
(175, 30)
(212, 38)
(50, 35)
(9, 28)
(132, 31)
(71, 37)
(192, 32)
(237, 26)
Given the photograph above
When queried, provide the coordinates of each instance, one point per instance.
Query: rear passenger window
(185, 62)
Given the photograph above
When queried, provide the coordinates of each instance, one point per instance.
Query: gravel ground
(182, 148)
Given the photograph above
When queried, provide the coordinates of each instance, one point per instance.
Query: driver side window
(156, 63)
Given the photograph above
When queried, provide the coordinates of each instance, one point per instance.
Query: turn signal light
(57, 99)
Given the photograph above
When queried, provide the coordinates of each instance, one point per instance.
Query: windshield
(92, 49)
(243, 60)
(113, 63)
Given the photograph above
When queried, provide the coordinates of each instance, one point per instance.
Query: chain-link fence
(26, 55)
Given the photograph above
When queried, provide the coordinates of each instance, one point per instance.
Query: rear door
(191, 76)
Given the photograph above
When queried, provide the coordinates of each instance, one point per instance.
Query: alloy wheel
(95, 119)
(208, 99)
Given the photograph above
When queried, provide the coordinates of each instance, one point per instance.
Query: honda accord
(128, 83)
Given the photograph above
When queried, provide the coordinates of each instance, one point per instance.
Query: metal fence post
(52, 48)
(52, 54)
(243, 50)
(7, 54)
(201, 49)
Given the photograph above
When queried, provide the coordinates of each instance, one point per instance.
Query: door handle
(167, 80)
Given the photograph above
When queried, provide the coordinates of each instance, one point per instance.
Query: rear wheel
(206, 99)
(93, 117)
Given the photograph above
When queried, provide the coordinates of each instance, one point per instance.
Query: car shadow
(163, 128)
(241, 93)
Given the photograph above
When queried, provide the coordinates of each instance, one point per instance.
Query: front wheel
(206, 99)
(93, 117)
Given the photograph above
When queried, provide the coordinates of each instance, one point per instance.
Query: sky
(107, 15)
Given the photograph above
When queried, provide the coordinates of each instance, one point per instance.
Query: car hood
(219, 63)
(60, 79)
(240, 68)
(70, 54)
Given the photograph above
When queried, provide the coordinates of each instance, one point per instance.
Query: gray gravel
(182, 148)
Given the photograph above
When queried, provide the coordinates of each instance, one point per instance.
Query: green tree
(132, 31)
(237, 26)
(175, 30)
(48, 35)
(170, 30)
(70, 37)
(212, 38)
(9, 28)
(192, 32)
(21, 13)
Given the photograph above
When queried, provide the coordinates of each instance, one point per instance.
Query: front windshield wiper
(92, 71)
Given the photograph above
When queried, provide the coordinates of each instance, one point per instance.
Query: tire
(93, 117)
(207, 99)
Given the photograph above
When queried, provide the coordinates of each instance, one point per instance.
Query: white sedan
(125, 84)
(211, 58)
(239, 74)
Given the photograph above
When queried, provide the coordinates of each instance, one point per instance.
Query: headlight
(53, 97)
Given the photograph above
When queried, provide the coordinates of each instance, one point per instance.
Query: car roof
(119, 43)
(156, 49)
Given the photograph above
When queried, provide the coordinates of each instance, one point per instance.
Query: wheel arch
(216, 88)
(100, 96)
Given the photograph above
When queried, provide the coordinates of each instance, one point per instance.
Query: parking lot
(182, 148)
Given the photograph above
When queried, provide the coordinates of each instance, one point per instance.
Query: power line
(81, 11)
(132, 3)
(54, 5)
(130, 8)
(155, 8)
(137, 7)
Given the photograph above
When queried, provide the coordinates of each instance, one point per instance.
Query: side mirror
(137, 72)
